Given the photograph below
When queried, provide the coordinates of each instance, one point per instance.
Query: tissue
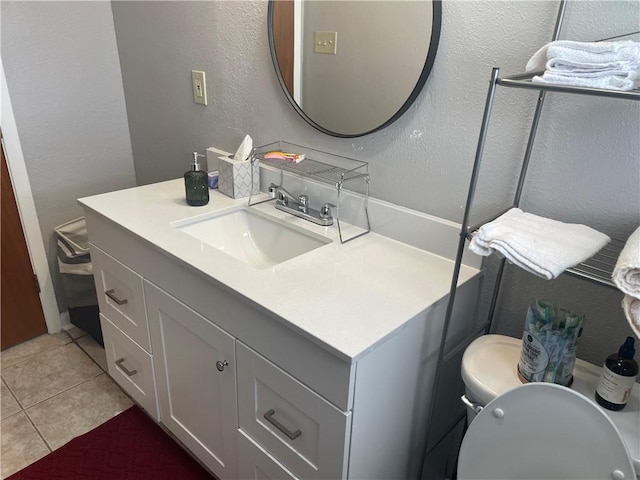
(244, 150)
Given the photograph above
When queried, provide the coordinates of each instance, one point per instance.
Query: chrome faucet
(299, 206)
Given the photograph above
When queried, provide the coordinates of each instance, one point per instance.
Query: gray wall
(586, 159)
(63, 76)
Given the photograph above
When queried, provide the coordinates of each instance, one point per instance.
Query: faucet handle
(325, 211)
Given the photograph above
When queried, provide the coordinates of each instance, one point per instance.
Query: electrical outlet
(199, 82)
(325, 42)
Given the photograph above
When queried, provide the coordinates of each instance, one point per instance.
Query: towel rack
(597, 269)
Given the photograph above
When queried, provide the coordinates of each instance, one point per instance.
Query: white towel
(631, 307)
(540, 245)
(609, 65)
(626, 274)
(611, 82)
(584, 53)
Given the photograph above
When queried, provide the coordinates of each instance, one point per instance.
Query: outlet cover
(199, 83)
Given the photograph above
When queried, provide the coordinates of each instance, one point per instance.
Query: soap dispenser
(196, 185)
(618, 377)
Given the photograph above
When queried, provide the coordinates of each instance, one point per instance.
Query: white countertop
(347, 296)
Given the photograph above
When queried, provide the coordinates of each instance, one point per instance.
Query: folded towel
(611, 82)
(610, 65)
(584, 53)
(631, 307)
(566, 65)
(539, 245)
(626, 274)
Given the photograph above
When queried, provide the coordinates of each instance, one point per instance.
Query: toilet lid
(543, 431)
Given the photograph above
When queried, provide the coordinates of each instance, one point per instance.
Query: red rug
(130, 446)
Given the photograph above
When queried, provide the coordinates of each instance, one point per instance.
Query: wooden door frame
(27, 209)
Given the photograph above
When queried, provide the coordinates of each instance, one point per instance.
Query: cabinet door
(194, 364)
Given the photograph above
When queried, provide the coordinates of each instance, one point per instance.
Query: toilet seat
(543, 431)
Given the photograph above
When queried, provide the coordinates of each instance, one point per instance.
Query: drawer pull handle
(112, 296)
(269, 418)
(128, 373)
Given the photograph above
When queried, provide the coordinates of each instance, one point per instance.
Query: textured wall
(585, 165)
(62, 70)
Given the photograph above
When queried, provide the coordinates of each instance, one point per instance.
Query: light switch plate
(325, 42)
(199, 82)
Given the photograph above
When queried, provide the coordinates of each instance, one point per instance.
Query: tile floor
(53, 388)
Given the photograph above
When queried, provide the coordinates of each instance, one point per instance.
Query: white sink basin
(251, 236)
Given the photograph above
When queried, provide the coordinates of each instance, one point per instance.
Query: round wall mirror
(353, 67)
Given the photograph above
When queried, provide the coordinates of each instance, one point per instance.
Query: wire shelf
(326, 167)
(523, 80)
(599, 268)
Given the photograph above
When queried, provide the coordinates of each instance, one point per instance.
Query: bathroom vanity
(316, 366)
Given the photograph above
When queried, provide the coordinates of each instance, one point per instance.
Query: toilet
(541, 430)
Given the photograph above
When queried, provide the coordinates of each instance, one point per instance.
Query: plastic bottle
(196, 184)
(618, 377)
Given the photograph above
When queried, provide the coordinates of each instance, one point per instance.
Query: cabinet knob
(220, 365)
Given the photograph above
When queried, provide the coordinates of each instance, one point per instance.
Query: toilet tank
(489, 368)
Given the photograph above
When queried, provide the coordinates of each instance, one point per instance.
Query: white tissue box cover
(235, 178)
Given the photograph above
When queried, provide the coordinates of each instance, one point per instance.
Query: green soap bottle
(196, 185)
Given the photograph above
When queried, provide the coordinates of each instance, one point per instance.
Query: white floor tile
(23, 351)
(48, 373)
(21, 444)
(9, 404)
(78, 410)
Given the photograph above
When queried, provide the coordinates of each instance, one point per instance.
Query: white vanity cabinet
(319, 368)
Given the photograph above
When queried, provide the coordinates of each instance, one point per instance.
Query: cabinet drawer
(304, 432)
(121, 297)
(256, 464)
(130, 366)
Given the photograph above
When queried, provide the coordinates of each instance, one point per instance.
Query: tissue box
(235, 178)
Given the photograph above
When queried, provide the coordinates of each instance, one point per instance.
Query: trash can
(76, 274)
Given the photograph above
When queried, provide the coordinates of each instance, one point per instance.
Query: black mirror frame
(426, 70)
